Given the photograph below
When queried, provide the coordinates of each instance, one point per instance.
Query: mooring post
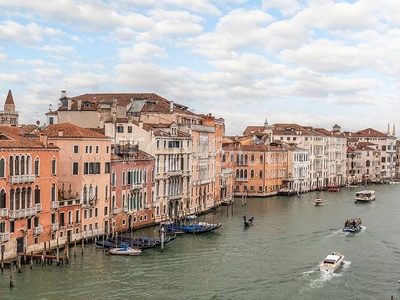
(58, 253)
(66, 247)
(19, 263)
(31, 262)
(162, 238)
(2, 261)
(75, 248)
(11, 275)
(83, 245)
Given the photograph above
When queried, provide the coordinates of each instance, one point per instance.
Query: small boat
(318, 202)
(365, 196)
(248, 222)
(352, 225)
(191, 217)
(331, 262)
(334, 189)
(109, 245)
(124, 251)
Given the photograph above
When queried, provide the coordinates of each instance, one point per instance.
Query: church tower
(9, 116)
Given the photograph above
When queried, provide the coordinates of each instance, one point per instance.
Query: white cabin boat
(318, 202)
(365, 196)
(124, 251)
(331, 262)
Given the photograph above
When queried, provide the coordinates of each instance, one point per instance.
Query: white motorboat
(318, 202)
(365, 196)
(331, 262)
(124, 251)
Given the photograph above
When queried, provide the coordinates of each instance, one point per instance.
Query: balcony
(115, 210)
(174, 173)
(4, 236)
(147, 205)
(22, 213)
(15, 179)
(54, 204)
(38, 207)
(125, 209)
(136, 186)
(3, 212)
(54, 226)
(174, 197)
(38, 230)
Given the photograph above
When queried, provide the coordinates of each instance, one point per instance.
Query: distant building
(9, 116)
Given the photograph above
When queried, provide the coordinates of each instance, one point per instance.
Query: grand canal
(275, 259)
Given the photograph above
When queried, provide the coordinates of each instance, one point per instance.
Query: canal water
(277, 258)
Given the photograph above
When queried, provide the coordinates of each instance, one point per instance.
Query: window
(77, 216)
(97, 149)
(76, 149)
(37, 166)
(120, 129)
(88, 149)
(91, 168)
(174, 144)
(53, 166)
(129, 129)
(75, 167)
(105, 210)
(107, 167)
(113, 179)
(85, 214)
(2, 168)
(12, 226)
(96, 212)
(62, 220)
(53, 192)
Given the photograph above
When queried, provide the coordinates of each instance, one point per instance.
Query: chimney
(63, 94)
(394, 130)
(60, 132)
(171, 106)
(79, 104)
(388, 129)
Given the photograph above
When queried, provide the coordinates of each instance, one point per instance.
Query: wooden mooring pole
(75, 248)
(2, 261)
(11, 275)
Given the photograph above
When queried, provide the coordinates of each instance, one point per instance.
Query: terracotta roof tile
(69, 130)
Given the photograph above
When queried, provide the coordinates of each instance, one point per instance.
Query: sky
(314, 63)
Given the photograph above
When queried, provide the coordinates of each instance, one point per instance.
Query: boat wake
(318, 279)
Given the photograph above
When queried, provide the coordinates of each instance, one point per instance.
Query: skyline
(312, 63)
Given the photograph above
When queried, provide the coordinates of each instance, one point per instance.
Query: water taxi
(318, 202)
(352, 225)
(365, 196)
(331, 262)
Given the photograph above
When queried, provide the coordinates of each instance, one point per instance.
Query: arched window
(261, 158)
(260, 175)
(53, 192)
(2, 167)
(251, 174)
(11, 164)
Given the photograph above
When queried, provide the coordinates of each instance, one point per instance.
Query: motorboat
(331, 262)
(318, 202)
(365, 196)
(124, 251)
(352, 225)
